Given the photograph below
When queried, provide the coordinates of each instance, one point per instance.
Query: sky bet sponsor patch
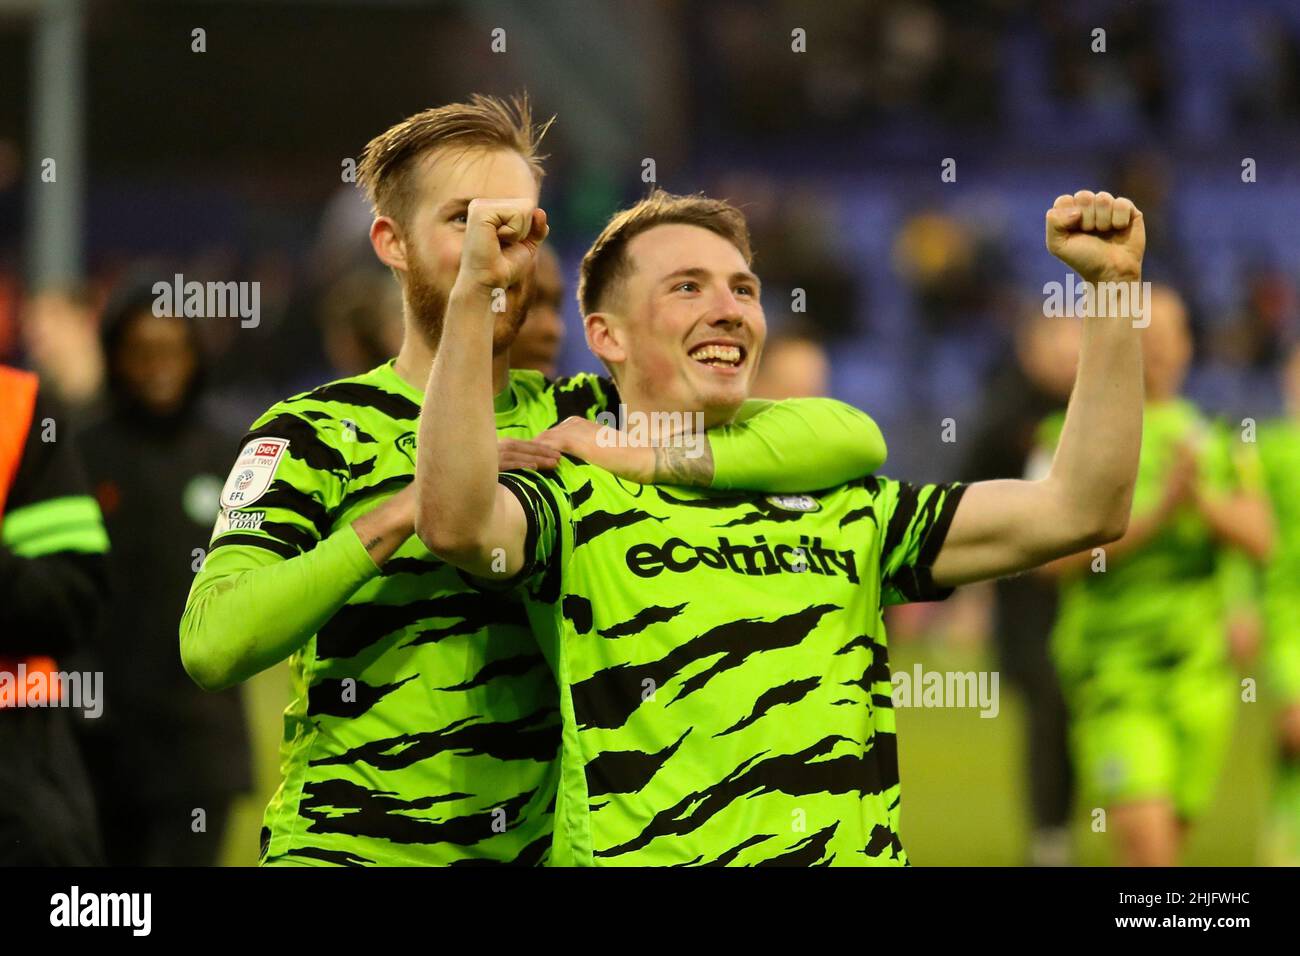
(253, 472)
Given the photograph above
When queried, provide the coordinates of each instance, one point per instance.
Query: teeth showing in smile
(726, 356)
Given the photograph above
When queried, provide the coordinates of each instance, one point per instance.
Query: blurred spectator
(60, 335)
(10, 298)
(793, 232)
(1129, 75)
(1028, 387)
(52, 585)
(538, 344)
(164, 749)
(1148, 176)
(1255, 336)
(361, 321)
(794, 365)
(949, 266)
(957, 275)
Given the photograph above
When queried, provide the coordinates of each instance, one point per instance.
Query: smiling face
(426, 249)
(684, 329)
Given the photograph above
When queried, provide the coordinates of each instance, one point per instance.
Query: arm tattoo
(674, 465)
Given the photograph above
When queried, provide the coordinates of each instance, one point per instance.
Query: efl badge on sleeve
(253, 472)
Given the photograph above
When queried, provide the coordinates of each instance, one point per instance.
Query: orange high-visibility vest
(18, 403)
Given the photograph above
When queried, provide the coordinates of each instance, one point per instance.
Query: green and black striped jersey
(723, 666)
(423, 726)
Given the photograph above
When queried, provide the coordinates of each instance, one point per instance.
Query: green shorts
(1167, 740)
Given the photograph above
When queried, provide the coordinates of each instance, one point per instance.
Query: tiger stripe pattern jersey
(423, 726)
(723, 666)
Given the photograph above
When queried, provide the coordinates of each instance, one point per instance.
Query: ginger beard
(426, 302)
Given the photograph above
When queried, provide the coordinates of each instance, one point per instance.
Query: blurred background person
(52, 587)
(164, 749)
(1030, 384)
(1141, 637)
(794, 365)
(540, 338)
(61, 335)
(361, 321)
(1279, 454)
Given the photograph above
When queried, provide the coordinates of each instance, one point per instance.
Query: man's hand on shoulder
(602, 446)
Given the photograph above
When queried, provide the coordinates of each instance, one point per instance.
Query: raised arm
(1003, 527)
(462, 515)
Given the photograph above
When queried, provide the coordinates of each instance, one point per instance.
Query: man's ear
(605, 338)
(386, 239)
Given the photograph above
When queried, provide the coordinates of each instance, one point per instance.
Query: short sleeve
(547, 510)
(289, 478)
(915, 519)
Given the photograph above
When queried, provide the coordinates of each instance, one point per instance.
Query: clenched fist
(1098, 236)
(501, 239)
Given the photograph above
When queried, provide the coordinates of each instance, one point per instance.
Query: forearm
(1140, 531)
(1242, 521)
(1095, 465)
(796, 445)
(774, 447)
(243, 616)
(456, 465)
(383, 530)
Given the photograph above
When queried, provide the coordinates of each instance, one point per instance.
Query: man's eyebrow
(697, 273)
(451, 204)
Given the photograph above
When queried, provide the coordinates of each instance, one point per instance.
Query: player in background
(424, 723)
(537, 346)
(795, 365)
(1141, 637)
(722, 659)
(1279, 455)
(52, 590)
